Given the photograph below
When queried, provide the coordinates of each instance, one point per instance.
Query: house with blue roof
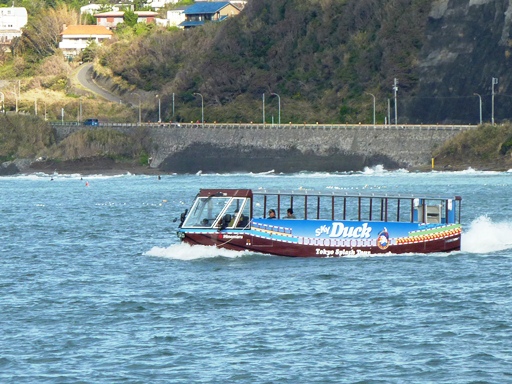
(202, 12)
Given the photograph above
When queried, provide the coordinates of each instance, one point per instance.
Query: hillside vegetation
(325, 59)
(320, 57)
(26, 137)
(489, 147)
(23, 137)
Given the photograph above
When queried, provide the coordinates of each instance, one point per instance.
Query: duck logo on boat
(383, 239)
(341, 230)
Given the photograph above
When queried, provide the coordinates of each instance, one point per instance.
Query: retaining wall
(285, 148)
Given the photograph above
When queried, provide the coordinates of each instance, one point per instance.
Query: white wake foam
(484, 236)
(185, 251)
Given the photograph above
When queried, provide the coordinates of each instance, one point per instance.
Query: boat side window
(239, 210)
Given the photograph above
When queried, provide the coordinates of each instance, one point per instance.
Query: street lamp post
(202, 108)
(372, 95)
(140, 114)
(173, 105)
(263, 101)
(480, 99)
(389, 112)
(278, 108)
(395, 89)
(494, 81)
(80, 112)
(16, 98)
(159, 109)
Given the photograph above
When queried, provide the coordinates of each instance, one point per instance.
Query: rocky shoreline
(107, 166)
(89, 166)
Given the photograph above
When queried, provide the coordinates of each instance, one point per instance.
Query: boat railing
(315, 205)
(214, 205)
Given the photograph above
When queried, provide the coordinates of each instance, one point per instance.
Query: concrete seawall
(188, 148)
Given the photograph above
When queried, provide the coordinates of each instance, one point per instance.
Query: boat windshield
(212, 211)
(205, 211)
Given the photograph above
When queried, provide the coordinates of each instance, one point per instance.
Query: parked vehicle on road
(93, 122)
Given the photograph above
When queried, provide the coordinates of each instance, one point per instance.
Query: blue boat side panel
(364, 230)
(350, 233)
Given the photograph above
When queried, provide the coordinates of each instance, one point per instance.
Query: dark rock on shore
(14, 167)
(9, 168)
(211, 158)
(90, 165)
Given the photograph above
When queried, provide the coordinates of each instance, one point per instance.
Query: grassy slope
(486, 148)
(31, 137)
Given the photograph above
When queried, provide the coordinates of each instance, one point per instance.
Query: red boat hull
(243, 242)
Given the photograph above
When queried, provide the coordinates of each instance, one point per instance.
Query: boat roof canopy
(306, 192)
(225, 193)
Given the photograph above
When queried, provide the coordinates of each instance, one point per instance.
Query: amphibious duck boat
(322, 224)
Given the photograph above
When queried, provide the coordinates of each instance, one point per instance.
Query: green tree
(105, 6)
(140, 5)
(41, 35)
(130, 18)
(89, 52)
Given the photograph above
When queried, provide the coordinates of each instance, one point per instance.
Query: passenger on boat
(242, 222)
(232, 222)
(289, 214)
(271, 214)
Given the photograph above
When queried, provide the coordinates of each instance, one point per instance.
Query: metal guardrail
(290, 126)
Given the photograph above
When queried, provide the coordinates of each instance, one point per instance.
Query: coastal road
(84, 77)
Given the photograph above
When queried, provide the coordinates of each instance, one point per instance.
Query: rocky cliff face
(467, 43)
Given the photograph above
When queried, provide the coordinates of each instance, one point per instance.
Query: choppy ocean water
(97, 289)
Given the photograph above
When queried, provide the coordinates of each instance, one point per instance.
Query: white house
(77, 37)
(174, 17)
(111, 19)
(90, 9)
(157, 4)
(12, 19)
(94, 8)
